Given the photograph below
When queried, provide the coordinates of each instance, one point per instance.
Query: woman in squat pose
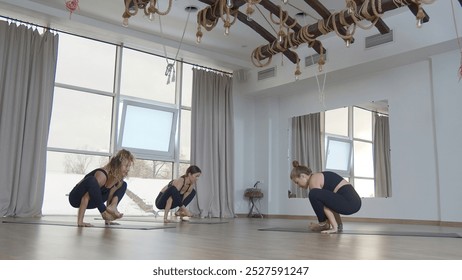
(101, 185)
(179, 193)
(330, 195)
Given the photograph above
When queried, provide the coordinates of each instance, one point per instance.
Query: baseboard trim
(367, 220)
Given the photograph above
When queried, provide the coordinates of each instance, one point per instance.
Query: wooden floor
(234, 239)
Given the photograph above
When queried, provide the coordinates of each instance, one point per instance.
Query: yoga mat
(67, 224)
(191, 221)
(357, 232)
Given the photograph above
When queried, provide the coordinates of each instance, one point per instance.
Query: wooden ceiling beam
(380, 24)
(276, 10)
(415, 8)
(324, 13)
(268, 36)
(266, 51)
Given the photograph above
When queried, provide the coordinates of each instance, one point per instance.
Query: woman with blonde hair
(101, 185)
(330, 195)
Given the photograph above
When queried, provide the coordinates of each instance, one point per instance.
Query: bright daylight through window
(87, 125)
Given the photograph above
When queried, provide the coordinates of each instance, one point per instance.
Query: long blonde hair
(298, 170)
(115, 163)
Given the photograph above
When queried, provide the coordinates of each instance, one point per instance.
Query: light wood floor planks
(236, 239)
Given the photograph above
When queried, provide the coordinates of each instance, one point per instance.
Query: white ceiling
(103, 19)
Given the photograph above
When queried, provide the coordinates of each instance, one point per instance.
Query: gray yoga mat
(191, 221)
(361, 232)
(68, 224)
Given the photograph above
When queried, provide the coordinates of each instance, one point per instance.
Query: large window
(349, 146)
(96, 112)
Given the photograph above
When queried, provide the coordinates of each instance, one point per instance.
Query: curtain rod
(120, 45)
(26, 22)
(56, 30)
(374, 111)
(208, 68)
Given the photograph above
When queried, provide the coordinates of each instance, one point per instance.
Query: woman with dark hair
(330, 195)
(101, 185)
(179, 193)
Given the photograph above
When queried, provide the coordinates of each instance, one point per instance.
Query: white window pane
(338, 155)
(80, 121)
(185, 139)
(363, 163)
(365, 187)
(336, 121)
(183, 168)
(186, 87)
(362, 125)
(85, 63)
(64, 171)
(145, 180)
(143, 76)
(147, 129)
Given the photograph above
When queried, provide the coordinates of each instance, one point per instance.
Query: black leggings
(346, 201)
(178, 199)
(98, 195)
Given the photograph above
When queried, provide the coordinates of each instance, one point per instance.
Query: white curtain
(212, 143)
(306, 145)
(28, 65)
(382, 156)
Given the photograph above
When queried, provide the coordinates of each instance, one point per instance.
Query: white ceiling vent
(313, 59)
(267, 73)
(379, 39)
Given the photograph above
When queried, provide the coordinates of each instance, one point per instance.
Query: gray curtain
(28, 65)
(212, 143)
(306, 145)
(382, 156)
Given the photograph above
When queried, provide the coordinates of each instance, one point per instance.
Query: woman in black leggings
(330, 195)
(179, 193)
(101, 185)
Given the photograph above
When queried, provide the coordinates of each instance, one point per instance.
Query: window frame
(347, 171)
(147, 153)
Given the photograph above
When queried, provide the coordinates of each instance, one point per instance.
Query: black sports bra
(170, 184)
(331, 180)
(92, 173)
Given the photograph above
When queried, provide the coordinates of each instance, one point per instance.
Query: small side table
(254, 195)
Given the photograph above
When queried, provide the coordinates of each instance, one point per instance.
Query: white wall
(448, 118)
(425, 131)
(415, 43)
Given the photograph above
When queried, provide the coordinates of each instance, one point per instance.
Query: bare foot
(83, 224)
(107, 216)
(110, 223)
(183, 213)
(329, 231)
(318, 227)
(114, 212)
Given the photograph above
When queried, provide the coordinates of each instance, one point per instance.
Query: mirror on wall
(353, 141)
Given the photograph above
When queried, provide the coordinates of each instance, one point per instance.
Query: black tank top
(331, 180)
(92, 173)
